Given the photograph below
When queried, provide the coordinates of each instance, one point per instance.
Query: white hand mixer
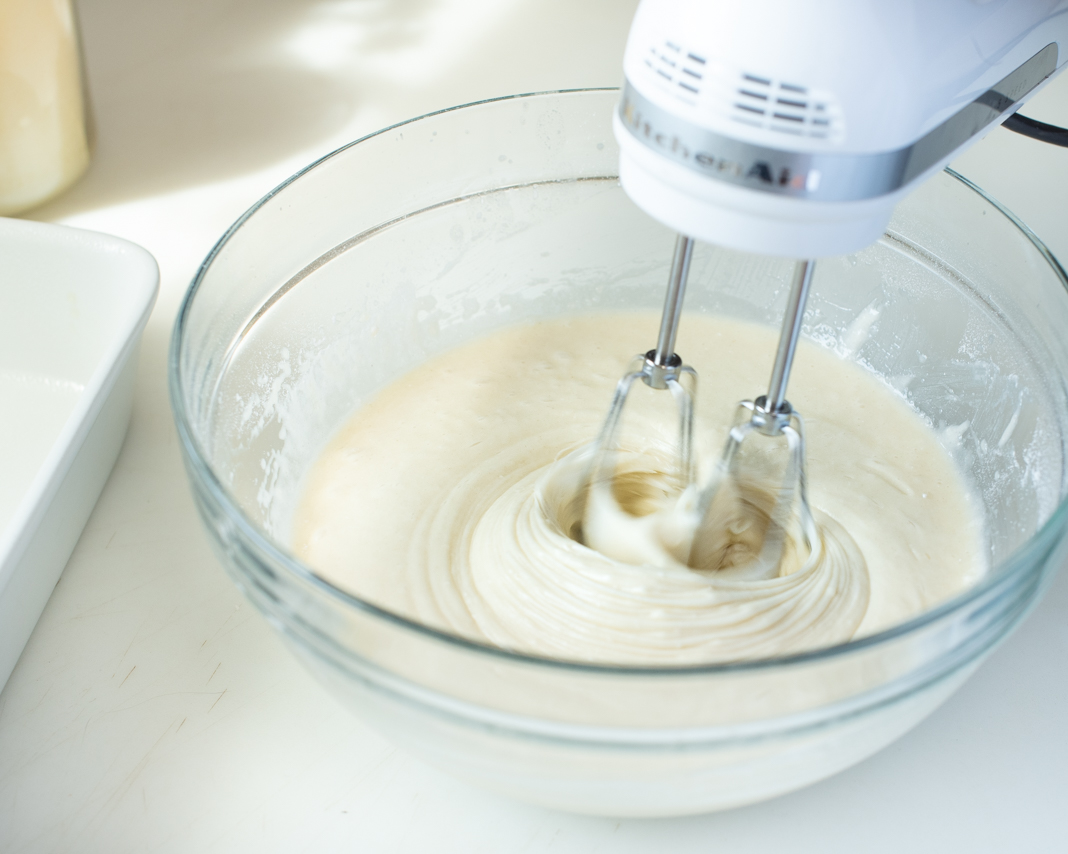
(793, 128)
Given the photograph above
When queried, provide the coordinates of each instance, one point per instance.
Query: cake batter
(451, 498)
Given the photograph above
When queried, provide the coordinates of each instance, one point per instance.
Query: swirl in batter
(453, 498)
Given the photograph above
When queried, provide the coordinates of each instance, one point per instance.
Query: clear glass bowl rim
(1017, 564)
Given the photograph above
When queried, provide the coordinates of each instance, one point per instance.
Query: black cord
(1037, 130)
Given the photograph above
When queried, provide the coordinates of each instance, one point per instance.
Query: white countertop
(154, 710)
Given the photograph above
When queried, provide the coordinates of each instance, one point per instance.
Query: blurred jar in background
(44, 145)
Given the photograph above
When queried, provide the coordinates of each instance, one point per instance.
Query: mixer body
(793, 128)
(787, 128)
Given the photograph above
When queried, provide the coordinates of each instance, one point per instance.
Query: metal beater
(770, 415)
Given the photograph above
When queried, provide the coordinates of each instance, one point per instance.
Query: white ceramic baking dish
(73, 304)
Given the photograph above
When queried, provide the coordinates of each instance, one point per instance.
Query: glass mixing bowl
(422, 236)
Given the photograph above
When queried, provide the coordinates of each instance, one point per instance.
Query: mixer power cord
(1037, 130)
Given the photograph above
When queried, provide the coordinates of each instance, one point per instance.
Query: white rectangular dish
(73, 304)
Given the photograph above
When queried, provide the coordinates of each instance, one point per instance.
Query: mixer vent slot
(785, 107)
(681, 69)
(759, 100)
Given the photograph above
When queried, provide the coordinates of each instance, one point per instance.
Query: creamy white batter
(450, 496)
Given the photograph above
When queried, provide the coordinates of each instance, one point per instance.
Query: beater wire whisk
(769, 415)
(660, 368)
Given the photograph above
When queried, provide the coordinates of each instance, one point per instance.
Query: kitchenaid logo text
(765, 173)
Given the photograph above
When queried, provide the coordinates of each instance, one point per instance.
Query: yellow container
(44, 146)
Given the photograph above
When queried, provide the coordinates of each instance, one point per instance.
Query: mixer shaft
(791, 331)
(772, 411)
(676, 293)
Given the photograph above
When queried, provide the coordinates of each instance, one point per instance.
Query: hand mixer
(793, 128)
